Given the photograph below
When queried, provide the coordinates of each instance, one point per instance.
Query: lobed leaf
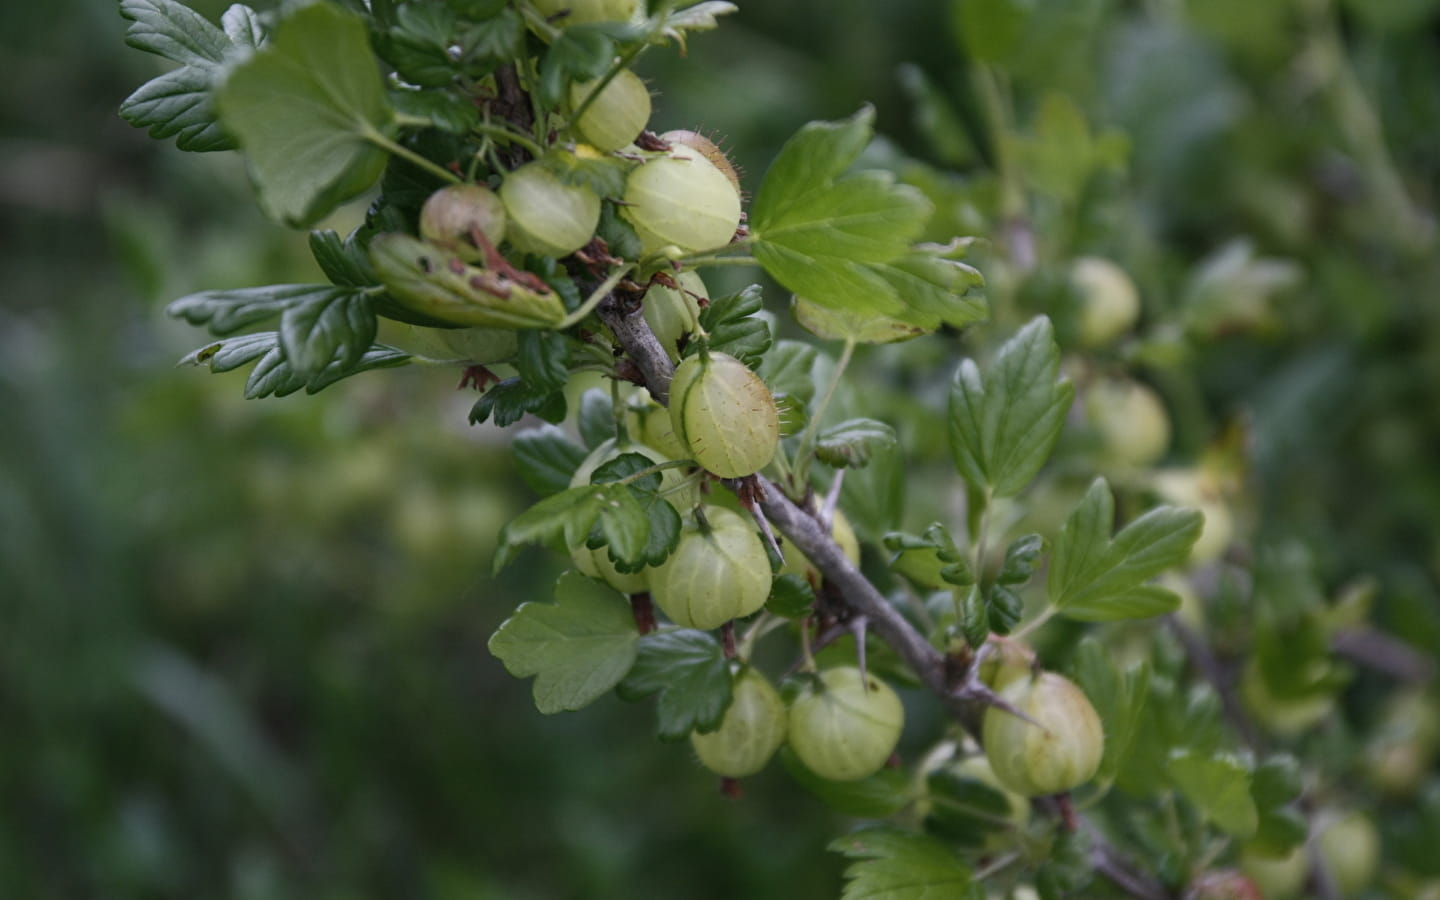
(577, 648)
(900, 865)
(1004, 423)
(1219, 787)
(688, 671)
(547, 459)
(851, 444)
(305, 109)
(1094, 578)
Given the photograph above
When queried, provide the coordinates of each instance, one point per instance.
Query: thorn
(749, 492)
(832, 500)
(857, 627)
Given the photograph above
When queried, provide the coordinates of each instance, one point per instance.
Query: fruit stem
(765, 623)
(596, 296)
(714, 260)
(801, 477)
(507, 134)
(371, 134)
(807, 658)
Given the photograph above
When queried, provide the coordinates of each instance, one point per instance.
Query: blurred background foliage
(242, 644)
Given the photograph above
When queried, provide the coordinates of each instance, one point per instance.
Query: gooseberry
(546, 215)
(724, 415)
(1059, 749)
(844, 725)
(718, 572)
(752, 730)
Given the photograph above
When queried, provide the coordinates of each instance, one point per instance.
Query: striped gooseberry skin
(681, 200)
(673, 313)
(618, 113)
(724, 415)
(752, 730)
(846, 726)
(586, 12)
(547, 216)
(1059, 749)
(718, 572)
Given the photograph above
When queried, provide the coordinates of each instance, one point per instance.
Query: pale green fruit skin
(1060, 752)
(584, 12)
(617, 116)
(1190, 487)
(1109, 302)
(1277, 877)
(651, 423)
(1349, 849)
(1131, 419)
(715, 574)
(724, 415)
(596, 563)
(797, 563)
(681, 200)
(447, 215)
(752, 730)
(672, 313)
(547, 216)
(847, 729)
(1007, 662)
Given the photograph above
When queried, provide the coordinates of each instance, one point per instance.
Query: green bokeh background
(242, 644)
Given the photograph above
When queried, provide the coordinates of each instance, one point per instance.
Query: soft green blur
(242, 643)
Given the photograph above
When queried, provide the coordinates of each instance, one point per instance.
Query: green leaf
(1096, 579)
(689, 671)
(577, 648)
(319, 329)
(974, 617)
(899, 865)
(1020, 559)
(965, 810)
(580, 53)
(227, 311)
(547, 459)
(791, 597)
(447, 110)
(543, 360)
(874, 797)
(274, 375)
(179, 103)
(418, 45)
(786, 370)
(597, 417)
(560, 520)
(647, 525)
(929, 559)
(1119, 699)
(346, 262)
(813, 227)
(989, 30)
(1062, 156)
(512, 399)
(1219, 787)
(1003, 608)
(863, 328)
(223, 356)
(852, 443)
(874, 497)
(1004, 423)
(734, 327)
(305, 109)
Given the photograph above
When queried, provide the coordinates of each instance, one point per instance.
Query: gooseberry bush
(724, 487)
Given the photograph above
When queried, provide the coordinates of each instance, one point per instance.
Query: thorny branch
(964, 696)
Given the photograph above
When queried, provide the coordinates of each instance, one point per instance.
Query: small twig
(1220, 678)
(1374, 649)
